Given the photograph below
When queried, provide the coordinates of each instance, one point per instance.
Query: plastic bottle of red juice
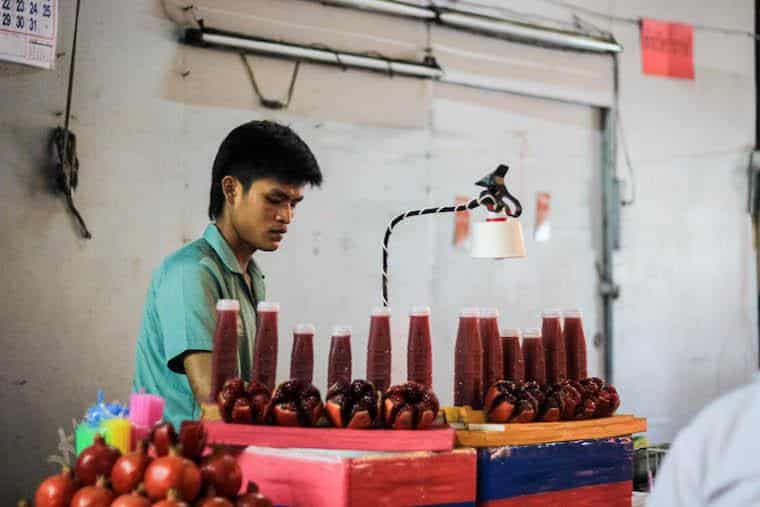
(224, 360)
(339, 360)
(575, 341)
(468, 361)
(493, 360)
(265, 348)
(514, 364)
(419, 351)
(379, 348)
(533, 352)
(302, 356)
(554, 346)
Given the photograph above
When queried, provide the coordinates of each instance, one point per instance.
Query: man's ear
(230, 188)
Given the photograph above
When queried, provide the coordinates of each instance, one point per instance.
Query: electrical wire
(637, 21)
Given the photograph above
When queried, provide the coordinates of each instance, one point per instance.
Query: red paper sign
(667, 49)
(461, 222)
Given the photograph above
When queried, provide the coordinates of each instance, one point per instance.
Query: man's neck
(242, 250)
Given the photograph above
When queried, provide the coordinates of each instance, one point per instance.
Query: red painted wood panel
(413, 479)
(309, 478)
(298, 482)
(615, 494)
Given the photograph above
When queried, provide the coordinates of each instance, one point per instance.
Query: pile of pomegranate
(355, 405)
(166, 470)
(569, 400)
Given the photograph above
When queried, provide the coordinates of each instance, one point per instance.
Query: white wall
(685, 321)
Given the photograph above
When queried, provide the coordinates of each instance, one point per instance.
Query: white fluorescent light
(455, 16)
(213, 37)
(528, 32)
(386, 7)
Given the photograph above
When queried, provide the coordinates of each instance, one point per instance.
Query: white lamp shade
(497, 239)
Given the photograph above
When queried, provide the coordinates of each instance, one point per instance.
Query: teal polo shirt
(180, 316)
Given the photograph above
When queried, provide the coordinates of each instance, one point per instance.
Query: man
(715, 460)
(258, 178)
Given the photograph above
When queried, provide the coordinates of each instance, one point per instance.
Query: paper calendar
(28, 31)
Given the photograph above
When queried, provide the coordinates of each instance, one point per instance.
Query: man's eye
(274, 200)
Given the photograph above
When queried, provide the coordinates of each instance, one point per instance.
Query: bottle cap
(489, 313)
(268, 306)
(469, 312)
(304, 329)
(228, 305)
(510, 333)
(341, 330)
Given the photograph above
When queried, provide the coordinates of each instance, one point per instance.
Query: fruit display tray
(434, 439)
(497, 435)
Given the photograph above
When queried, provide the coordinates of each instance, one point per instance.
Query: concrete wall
(685, 322)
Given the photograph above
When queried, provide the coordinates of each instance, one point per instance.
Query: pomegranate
(162, 437)
(295, 403)
(56, 490)
(562, 399)
(252, 498)
(508, 401)
(352, 405)
(232, 389)
(409, 406)
(172, 472)
(133, 499)
(215, 501)
(97, 495)
(603, 394)
(192, 439)
(129, 469)
(222, 472)
(96, 460)
(259, 397)
(172, 500)
(242, 413)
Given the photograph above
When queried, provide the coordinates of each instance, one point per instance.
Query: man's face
(262, 214)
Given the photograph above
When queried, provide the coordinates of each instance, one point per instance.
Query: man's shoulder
(734, 403)
(726, 424)
(196, 257)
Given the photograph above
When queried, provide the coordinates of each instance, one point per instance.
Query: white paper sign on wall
(28, 32)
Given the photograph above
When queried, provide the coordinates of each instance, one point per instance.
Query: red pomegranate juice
(419, 351)
(575, 341)
(379, 349)
(493, 358)
(514, 364)
(533, 352)
(339, 360)
(554, 347)
(468, 362)
(224, 360)
(302, 356)
(265, 348)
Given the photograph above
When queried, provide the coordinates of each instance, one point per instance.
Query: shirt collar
(214, 237)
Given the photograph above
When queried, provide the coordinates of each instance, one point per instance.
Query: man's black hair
(261, 149)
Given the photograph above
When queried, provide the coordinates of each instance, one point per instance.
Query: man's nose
(285, 215)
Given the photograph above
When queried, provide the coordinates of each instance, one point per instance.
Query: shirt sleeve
(679, 481)
(186, 305)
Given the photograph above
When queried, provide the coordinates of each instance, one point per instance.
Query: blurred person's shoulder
(715, 459)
